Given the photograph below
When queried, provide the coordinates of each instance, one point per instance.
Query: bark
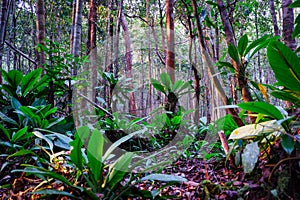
(76, 47)
(170, 59)
(92, 48)
(128, 58)
(238, 66)
(274, 18)
(3, 24)
(209, 63)
(288, 24)
(73, 25)
(41, 31)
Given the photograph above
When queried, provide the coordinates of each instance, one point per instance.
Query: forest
(149, 99)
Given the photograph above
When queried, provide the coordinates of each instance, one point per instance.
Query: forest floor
(207, 179)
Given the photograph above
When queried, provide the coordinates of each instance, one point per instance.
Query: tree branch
(20, 52)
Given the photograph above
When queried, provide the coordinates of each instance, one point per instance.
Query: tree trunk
(3, 21)
(76, 43)
(170, 59)
(41, 31)
(128, 57)
(209, 63)
(92, 49)
(288, 24)
(239, 69)
(274, 18)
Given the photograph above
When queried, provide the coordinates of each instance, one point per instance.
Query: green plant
(98, 173)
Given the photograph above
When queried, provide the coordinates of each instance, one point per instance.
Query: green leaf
(250, 156)
(295, 4)
(285, 64)
(40, 135)
(263, 108)
(76, 153)
(54, 192)
(233, 52)
(29, 80)
(164, 178)
(178, 84)
(13, 77)
(119, 169)
(120, 141)
(4, 131)
(15, 103)
(259, 42)
(95, 152)
(242, 44)
(4, 118)
(288, 96)
(19, 134)
(156, 84)
(296, 31)
(41, 171)
(21, 153)
(166, 80)
(288, 144)
(176, 120)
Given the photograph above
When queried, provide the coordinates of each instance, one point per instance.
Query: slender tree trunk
(128, 57)
(41, 31)
(170, 60)
(73, 26)
(76, 43)
(288, 24)
(274, 18)
(239, 69)
(92, 48)
(209, 63)
(3, 24)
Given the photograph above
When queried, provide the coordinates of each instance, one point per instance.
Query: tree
(3, 23)
(170, 59)
(40, 31)
(274, 18)
(128, 58)
(288, 24)
(237, 64)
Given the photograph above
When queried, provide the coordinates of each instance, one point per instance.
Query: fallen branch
(20, 52)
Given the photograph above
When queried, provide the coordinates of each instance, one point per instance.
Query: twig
(20, 52)
(279, 163)
(96, 105)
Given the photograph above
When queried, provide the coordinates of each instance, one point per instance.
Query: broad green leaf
(15, 103)
(166, 80)
(233, 52)
(42, 171)
(156, 84)
(288, 144)
(178, 84)
(164, 178)
(29, 80)
(13, 77)
(19, 134)
(118, 170)
(296, 31)
(120, 141)
(288, 96)
(176, 120)
(4, 131)
(285, 64)
(6, 119)
(263, 108)
(95, 153)
(40, 135)
(295, 4)
(22, 152)
(76, 153)
(54, 192)
(253, 130)
(250, 156)
(259, 42)
(242, 44)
